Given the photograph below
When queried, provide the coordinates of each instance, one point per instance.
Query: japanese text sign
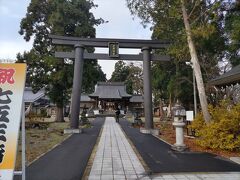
(113, 48)
(12, 82)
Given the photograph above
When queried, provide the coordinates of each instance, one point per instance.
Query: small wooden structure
(227, 85)
(37, 100)
(228, 78)
(109, 95)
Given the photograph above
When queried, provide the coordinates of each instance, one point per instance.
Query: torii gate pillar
(147, 87)
(77, 86)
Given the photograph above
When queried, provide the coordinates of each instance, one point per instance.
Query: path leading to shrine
(115, 158)
(160, 158)
(68, 160)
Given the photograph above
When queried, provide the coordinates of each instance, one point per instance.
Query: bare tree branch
(194, 7)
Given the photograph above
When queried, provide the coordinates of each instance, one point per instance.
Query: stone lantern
(179, 114)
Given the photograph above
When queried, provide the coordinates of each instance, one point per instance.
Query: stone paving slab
(235, 159)
(115, 158)
(198, 176)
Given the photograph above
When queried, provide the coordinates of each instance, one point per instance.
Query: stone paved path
(199, 176)
(116, 160)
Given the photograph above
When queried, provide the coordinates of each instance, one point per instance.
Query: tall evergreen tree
(232, 26)
(195, 30)
(60, 17)
(130, 74)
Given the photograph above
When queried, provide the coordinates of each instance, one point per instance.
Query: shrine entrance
(113, 46)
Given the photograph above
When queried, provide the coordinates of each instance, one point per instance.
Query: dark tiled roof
(30, 97)
(86, 98)
(230, 77)
(136, 98)
(110, 90)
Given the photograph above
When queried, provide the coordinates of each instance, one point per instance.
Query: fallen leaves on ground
(168, 134)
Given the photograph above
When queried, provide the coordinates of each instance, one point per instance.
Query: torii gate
(113, 44)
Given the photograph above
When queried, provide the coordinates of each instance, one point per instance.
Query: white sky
(121, 25)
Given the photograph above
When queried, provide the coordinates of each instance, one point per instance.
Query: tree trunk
(161, 112)
(59, 114)
(196, 66)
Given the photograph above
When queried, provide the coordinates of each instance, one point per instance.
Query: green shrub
(224, 130)
(43, 112)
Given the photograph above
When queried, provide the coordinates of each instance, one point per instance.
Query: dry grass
(39, 141)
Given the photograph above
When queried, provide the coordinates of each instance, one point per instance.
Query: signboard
(113, 49)
(12, 82)
(189, 115)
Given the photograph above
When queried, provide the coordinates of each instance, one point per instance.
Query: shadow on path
(161, 159)
(68, 160)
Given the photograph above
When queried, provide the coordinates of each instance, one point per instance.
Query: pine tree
(195, 30)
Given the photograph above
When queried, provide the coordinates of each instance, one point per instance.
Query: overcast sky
(121, 25)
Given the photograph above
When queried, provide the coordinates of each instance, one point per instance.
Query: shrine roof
(230, 77)
(110, 90)
(137, 98)
(30, 97)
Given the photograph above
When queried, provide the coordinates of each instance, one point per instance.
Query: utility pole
(194, 88)
(194, 94)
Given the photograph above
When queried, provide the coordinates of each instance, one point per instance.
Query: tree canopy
(232, 26)
(130, 74)
(212, 31)
(59, 17)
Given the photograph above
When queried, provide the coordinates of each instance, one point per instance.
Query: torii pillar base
(73, 131)
(154, 132)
